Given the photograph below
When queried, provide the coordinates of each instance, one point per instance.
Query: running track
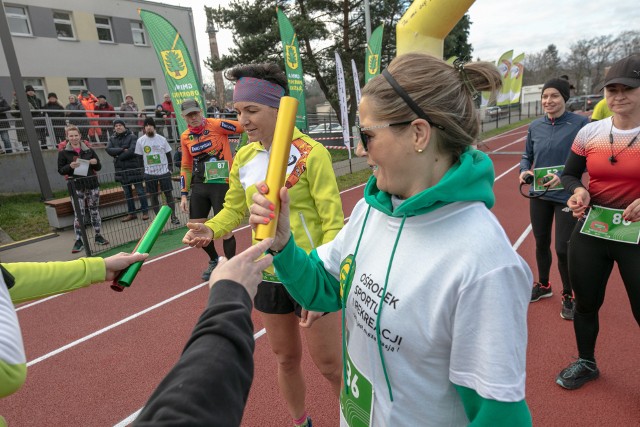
(94, 355)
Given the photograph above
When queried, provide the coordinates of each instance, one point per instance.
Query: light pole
(217, 75)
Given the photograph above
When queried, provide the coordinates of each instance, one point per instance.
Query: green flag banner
(179, 72)
(504, 66)
(517, 72)
(372, 58)
(293, 67)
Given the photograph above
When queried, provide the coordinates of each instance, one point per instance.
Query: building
(100, 45)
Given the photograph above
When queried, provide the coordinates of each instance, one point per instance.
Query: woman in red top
(205, 144)
(610, 150)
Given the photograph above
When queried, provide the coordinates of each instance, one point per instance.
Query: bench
(60, 211)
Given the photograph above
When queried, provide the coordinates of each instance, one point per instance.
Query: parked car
(583, 103)
(495, 111)
(328, 133)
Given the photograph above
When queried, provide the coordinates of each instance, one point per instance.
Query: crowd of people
(433, 296)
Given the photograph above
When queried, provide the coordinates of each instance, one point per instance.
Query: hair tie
(458, 64)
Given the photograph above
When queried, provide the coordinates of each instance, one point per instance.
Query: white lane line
(506, 172)
(40, 301)
(505, 146)
(114, 325)
(523, 236)
(131, 418)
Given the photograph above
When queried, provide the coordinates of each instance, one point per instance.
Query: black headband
(407, 99)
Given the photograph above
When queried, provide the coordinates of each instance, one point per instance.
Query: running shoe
(307, 423)
(568, 307)
(101, 240)
(207, 273)
(77, 246)
(175, 221)
(540, 291)
(579, 372)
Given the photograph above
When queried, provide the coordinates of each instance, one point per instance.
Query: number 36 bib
(356, 406)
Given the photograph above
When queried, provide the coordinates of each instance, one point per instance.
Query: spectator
(89, 102)
(212, 110)
(128, 166)
(156, 154)
(4, 125)
(105, 113)
(167, 106)
(161, 118)
(55, 111)
(434, 297)
(83, 186)
(24, 281)
(35, 105)
(76, 115)
(130, 113)
(548, 144)
(601, 111)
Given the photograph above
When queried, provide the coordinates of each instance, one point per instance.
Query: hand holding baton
(145, 244)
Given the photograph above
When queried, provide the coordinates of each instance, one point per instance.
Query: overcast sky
(498, 25)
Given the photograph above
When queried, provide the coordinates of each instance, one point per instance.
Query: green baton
(145, 244)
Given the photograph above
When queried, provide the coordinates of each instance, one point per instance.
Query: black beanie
(149, 122)
(116, 121)
(561, 85)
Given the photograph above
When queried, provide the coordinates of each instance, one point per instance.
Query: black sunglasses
(364, 138)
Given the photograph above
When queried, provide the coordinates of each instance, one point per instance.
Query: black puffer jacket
(128, 165)
(68, 155)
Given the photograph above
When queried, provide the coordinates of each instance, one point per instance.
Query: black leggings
(591, 261)
(542, 213)
(204, 197)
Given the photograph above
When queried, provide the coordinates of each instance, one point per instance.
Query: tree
(457, 41)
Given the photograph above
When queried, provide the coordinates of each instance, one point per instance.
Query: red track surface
(105, 377)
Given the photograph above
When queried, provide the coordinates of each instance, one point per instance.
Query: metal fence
(509, 114)
(113, 209)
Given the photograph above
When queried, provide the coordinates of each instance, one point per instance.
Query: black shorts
(204, 197)
(273, 298)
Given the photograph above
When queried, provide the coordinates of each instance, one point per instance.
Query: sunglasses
(364, 138)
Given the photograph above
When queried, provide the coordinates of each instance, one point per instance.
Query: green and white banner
(372, 57)
(180, 74)
(504, 67)
(517, 72)
(293, 67)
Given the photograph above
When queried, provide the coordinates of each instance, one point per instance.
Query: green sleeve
(492, 413)
(13, 376)
(41, 279)
(306, 279)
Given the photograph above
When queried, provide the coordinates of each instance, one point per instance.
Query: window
(18, 20)
(114, 86)
(76, 85)
(103, 25)
(38, 86)
(139, 38)
(64, 26)
(148, 95)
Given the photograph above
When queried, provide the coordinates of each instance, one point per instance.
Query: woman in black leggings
(610, 150)
(549, 141)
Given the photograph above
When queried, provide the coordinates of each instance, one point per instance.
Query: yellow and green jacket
(315, 209)
(33, 280)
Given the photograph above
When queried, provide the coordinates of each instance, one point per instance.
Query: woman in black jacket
(129, 168)
(83, 183)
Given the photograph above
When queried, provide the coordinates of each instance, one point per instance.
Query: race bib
(153, 159)
(216, 171)
(540, 173)
(357, 405)
(608, 224)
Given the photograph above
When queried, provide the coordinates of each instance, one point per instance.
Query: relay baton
(278, 159)
(145, 244)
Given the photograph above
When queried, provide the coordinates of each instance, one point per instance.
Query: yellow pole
(426, 23)
(278, 159)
